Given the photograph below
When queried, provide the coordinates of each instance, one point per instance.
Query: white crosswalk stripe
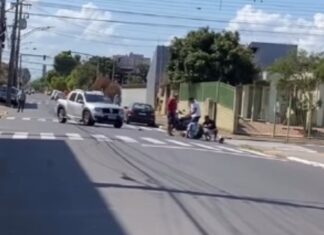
(47, 136)
(74, 136)
(178, 143)
(229, 149)
(101, 138)
(145, 128)
(160, 130)
(41, 119)
(205, 146)
(26, 119)
(130, 126)
(20, 135)
(153, 141)
(11, 118)
(55, 120)
(126, 139)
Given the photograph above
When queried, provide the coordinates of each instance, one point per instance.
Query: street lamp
(44, 28)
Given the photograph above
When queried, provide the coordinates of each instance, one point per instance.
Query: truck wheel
(61, 115)
(87, 118)
(118, 124)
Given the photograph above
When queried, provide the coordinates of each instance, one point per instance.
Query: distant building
(157, 75)
(265, 54)
(261, 99)
(131, 61)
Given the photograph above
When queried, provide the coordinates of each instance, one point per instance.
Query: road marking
(204, 146)
(26, 119)
(74, 136)
(306, 162)
(126, 139)
(101, 138)
(41, 120)
(20, 135)
(229, 149)
(11, 118)
(145, 128)
(160, 130)
(39, 103)
(130, 126)
(47, 136)
(178, 143)
(55, 120)
(153, 141)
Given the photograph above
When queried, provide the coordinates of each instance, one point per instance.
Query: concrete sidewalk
(298, 153)
(3, 111)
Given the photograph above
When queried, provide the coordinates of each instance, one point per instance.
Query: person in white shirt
(195, 112)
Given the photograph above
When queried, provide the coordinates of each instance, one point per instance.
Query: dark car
(140, 113)
(3, 94)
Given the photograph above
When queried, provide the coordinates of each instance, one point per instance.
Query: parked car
(89, 107)
(140, 113)
(58, 95)
(3, 94)
(53, 94)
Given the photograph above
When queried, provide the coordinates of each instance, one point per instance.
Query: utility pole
(12, 63)
(17, 71)
(2, 29)
(22, 25)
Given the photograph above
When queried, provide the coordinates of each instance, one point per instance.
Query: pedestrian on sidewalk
(21, 99)
(172, 112)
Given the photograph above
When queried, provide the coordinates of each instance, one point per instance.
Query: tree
(141, 71)
(39, 84)
(105, 64)
(59, 83)
(204, 55)
(82, 77)
(301, 74)
(64, 63)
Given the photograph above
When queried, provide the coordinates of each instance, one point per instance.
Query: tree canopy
(204, 55)
(300, 76)
(65, 62)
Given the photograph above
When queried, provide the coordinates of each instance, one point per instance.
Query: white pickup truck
(89, 107)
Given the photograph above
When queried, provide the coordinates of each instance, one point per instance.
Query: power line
(299, 25)
(176, 26)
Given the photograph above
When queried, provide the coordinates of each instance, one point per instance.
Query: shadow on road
(44, 190)
(31, 106)
(319, 206)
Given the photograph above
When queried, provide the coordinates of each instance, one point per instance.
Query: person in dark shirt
(210, 128)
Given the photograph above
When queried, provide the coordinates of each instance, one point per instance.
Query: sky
(138, 26)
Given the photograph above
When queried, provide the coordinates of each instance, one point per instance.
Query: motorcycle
(181, 124)
(196, 131)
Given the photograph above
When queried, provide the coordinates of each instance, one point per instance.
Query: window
(93, 98)
(80, 97)
(142, 107)
(72, 97)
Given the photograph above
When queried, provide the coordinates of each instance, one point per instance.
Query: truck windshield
(92, 98)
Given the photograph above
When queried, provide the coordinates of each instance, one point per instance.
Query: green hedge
(204, 90)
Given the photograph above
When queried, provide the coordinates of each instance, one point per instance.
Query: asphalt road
(65, 179)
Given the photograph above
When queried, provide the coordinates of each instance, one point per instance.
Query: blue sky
(271, 20)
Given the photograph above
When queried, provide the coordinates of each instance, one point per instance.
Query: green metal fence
(204, 90)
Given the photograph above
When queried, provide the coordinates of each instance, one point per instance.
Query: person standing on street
(195, 114)
(172, 113)
(21, 99)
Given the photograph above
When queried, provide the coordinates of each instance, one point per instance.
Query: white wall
(130, 95)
